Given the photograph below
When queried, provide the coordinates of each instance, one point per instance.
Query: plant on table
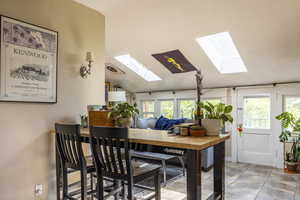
(123, 113)
(219, 111)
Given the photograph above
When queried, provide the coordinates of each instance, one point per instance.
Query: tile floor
(243, 182)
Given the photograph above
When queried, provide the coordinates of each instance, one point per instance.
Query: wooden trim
(162, 138)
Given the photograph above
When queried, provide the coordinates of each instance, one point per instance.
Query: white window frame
(258, 130)
(159, 107)
(178, 111)
(141, 107)
(177, 96)
(284, 100)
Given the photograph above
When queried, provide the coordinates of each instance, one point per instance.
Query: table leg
(219, 170)
(193, 175)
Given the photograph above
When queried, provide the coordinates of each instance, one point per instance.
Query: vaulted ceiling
(266, 33)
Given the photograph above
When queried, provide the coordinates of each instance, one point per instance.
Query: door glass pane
(292, 105)
(167, 109)
(256, 113)
(186, 108)
(148, 106)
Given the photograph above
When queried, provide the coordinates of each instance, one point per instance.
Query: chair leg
(130, 191)
(164, 167)
(58, 175)
(182, 164)
(92, 186)
(64, 181)
(117, 185)
(100, 189)
(123, 191)
(157, 186)
(83, 181)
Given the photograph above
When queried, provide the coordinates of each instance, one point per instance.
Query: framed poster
(28, 71)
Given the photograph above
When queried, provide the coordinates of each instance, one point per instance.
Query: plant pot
(197, 132)
(292, 166)
(212, 126)
(124, 122)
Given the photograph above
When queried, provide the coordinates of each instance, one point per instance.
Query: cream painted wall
(25, 145)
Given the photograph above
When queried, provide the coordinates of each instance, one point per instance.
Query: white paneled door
(255, 144)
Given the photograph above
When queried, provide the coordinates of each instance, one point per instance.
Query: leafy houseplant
(288, 121)
(291, 129)
(123, 113)
(220, 112)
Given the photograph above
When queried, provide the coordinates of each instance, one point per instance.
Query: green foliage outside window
(167, 109)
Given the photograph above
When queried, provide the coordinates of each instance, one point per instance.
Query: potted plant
(197, 131)
(292, 157)
(290, 125)
(291, 131)
(123, 113)
(215, 116)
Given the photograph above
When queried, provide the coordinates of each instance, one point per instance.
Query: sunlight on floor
(167, 194)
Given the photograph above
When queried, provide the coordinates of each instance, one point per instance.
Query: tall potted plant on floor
(292, 157)
(123, 114)
(290, 133)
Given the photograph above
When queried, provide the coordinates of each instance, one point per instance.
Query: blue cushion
(165, 123)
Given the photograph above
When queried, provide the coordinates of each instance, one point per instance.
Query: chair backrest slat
(112, 153)
(119, 156)
(69, 149)
(107, 144)
(69, 145)
(106, 155)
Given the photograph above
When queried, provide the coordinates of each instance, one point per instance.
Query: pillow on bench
(146, 123)
(165, 123)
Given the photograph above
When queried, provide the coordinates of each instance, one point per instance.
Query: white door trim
(267, 91)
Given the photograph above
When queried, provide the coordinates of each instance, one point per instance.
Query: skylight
(137, 67)
(222, 52)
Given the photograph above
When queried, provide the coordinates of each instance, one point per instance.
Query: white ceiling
(266, 33)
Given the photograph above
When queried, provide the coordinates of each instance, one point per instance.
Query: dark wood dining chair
(111, 153)
(69, 147)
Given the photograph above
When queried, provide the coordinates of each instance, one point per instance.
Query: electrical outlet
(38, 189)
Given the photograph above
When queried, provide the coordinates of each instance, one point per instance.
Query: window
(186, 108)
(148, 109)
(137, 67)
(292, 105)
(167, 108)
(222, 52)
(256, 113)
(213, 101)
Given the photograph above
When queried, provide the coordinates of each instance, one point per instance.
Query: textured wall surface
(26, 148)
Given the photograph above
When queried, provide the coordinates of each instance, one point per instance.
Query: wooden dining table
(193, 147)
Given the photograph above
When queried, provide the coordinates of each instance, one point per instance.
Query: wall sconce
(86, 70)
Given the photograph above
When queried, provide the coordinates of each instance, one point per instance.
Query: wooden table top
(162, 138)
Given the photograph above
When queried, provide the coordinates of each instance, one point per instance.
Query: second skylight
(137, 67)
(222, 52)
